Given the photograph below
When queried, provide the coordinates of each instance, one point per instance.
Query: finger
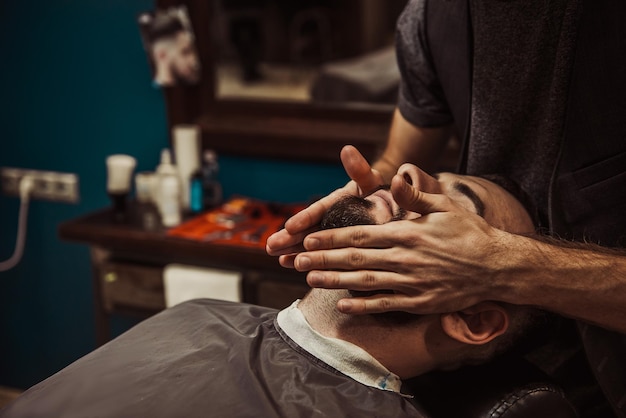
(415, 200)
(345, 259)
(312, 215)
(381, 303)
(419, 179)
(287, 261)
(363, 280)
(361, 236)
(359, 170)
(282, 242)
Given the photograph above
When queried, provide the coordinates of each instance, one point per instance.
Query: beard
(349, 211)
(355, 210)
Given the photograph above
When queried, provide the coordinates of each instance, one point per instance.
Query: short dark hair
(164, 26)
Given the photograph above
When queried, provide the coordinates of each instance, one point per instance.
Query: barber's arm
(409, 143)
(406, 142)
(450, 259)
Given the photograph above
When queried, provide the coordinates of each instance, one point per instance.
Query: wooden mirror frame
(285, 130)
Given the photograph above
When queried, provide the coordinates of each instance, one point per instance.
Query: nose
(419, 179)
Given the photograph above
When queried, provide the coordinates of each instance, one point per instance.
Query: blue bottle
(196, 193)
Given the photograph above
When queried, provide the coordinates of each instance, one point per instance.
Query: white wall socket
(47, 185)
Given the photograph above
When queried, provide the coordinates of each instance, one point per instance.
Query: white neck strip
(343, 356)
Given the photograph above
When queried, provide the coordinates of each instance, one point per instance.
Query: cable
(26, 186)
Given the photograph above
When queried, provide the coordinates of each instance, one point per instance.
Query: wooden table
(128, 262)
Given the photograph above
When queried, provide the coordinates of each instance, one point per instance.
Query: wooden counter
(128, 262)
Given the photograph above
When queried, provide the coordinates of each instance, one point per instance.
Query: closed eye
(472, 196)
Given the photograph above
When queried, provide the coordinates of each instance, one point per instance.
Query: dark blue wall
(76, 88)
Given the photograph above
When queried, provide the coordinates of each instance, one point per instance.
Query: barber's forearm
(584, 282)
(387, 167)
(408, 143)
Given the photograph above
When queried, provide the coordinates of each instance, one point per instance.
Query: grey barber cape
(218, 359)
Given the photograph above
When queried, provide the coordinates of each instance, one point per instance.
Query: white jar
(169, 199)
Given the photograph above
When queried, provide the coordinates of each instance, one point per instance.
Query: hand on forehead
(474, 194)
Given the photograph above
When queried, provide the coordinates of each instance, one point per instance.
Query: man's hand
(441, 262)
(289, 240)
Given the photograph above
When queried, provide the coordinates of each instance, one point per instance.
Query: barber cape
(208, 358)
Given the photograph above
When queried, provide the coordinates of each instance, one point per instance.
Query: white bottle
(169, 191)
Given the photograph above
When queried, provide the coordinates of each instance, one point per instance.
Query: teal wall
(76, 88)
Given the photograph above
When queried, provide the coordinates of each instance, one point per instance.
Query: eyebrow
(472, 196)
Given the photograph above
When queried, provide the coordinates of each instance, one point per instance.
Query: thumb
(414, 200)
(359, 170)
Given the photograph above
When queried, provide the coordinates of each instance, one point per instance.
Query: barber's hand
(289, 240)
(436, 263)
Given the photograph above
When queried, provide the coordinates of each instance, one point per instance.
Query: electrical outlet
(47, 185)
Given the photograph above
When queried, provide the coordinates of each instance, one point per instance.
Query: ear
(161, 54)
(159, 51)
(477, 324)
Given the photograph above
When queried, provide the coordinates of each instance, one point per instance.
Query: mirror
(322, 51)
(290, 79)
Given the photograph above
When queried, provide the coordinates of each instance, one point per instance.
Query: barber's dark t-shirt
(522, 55)
(522, 59)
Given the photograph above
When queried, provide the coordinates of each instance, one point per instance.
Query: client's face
(475, 194)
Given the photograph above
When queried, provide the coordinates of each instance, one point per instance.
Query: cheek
(510, 218)
(380, 217)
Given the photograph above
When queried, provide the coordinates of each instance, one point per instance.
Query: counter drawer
(131, 286)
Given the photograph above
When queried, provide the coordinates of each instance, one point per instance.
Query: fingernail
(312, 243)
(314, 279)
(345, 306)
(304, 262)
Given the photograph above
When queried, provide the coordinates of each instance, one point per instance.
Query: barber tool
(241, 221)
(227, 233)
(254, 236)
(120, 168)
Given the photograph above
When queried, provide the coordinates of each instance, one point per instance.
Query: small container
(146, 190)
(119, 175)
(186, 143)
(196, 198)
(169, 191)
(170, 201)
(144, 186)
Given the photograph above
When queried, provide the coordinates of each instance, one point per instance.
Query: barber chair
(509, 387)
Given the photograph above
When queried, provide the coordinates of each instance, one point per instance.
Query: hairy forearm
(386, 167)
(408, 143)
(581, 281)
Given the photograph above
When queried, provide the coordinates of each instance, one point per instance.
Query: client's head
(473, 335)
(479, 195)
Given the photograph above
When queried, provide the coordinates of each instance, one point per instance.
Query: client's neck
(400, 348)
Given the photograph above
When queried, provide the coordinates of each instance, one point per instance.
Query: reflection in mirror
(322, 51)
(169, 42)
